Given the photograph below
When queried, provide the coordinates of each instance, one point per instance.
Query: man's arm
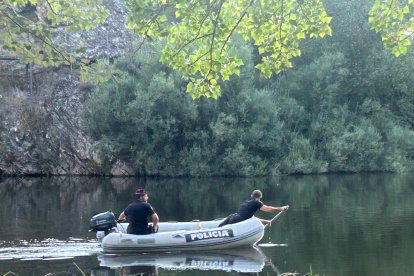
(155, 220)
(266, 208)
(122, 217)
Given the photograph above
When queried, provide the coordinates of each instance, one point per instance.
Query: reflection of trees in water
(39, 207)
(371, 195)
(67, 203)
(203, 198)
(363, 222)
(61, 203)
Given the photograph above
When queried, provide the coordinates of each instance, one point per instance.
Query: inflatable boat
(176, 236)
(245, 260)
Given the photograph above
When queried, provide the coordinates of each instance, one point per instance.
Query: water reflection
(48, 249)
(339, 224)
(47, 266)
(60, 207)
(246, 260)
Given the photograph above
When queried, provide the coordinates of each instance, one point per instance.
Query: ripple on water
(48, 249)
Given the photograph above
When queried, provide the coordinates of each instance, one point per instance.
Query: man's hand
(121, 217)
(284, 208)
(154, 229)
(265, 221)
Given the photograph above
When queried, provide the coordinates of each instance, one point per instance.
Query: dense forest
(346, 106)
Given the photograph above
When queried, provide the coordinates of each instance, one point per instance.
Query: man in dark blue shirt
(249, 207)
(137, 214)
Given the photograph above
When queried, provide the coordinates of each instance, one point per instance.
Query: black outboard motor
(102, 222)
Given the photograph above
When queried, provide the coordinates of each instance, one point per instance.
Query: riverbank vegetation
(346, 106)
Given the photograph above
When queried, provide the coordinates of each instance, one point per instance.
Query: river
(358, 224)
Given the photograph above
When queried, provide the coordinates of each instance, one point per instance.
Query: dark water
(337, 225)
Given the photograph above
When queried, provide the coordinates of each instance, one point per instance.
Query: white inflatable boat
(246, 260)
(185, 236)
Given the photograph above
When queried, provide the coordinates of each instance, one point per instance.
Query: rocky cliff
(41, 132)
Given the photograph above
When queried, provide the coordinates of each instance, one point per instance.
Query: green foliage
(358, 148)
(399, 149)
(388, 82)
(348, 108)
(302, 158)
(28, 27)
(100, 72)
(350, 29)
(237, 160)
(198, 35)
(196, 161)
(144, 119)
(395, 21)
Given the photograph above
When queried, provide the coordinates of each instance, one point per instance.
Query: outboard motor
(102, 222)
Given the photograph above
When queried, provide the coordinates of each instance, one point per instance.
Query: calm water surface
(337, 224)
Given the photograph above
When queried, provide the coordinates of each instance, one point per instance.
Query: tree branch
(236, 25)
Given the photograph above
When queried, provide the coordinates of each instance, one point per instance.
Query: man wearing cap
(249, 207)
(137, 214)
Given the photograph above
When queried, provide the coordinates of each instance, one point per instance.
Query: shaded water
(338, 224)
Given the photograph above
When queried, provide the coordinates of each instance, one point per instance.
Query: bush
(358, 148)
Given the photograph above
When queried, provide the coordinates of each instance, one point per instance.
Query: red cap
(140, 191)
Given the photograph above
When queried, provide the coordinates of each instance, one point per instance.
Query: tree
(28, 27)
(395, 21)
(196, 36)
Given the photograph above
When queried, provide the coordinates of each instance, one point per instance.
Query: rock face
(41, 133)
(108, 40)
